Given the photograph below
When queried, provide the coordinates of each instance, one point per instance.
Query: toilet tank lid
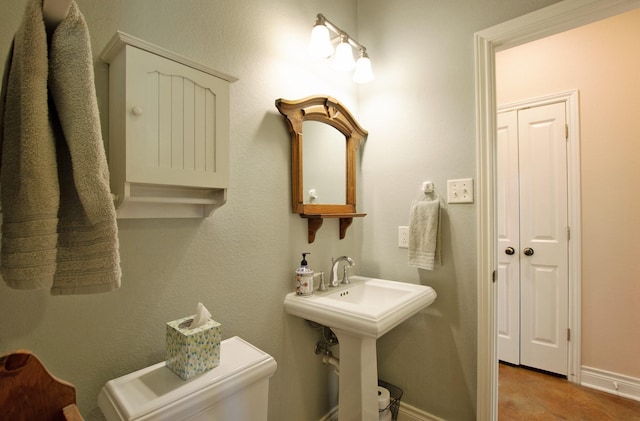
(155, 392)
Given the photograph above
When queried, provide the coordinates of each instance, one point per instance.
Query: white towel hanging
(424, 229)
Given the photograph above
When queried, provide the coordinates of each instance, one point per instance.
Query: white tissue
(201, 317)
(384, 398)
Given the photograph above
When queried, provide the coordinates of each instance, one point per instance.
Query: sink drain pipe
(322, 347)
(329, 359)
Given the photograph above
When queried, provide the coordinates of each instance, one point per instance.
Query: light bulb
(363, 72)
(320, 45)
(343, 60)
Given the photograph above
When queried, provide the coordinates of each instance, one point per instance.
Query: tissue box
(192, 351)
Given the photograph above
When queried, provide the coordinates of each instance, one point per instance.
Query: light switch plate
(460, 191)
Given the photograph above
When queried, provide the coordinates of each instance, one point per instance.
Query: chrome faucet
(333, 282)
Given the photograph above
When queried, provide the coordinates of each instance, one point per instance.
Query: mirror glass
(325, 161)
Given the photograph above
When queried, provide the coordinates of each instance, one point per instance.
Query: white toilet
(237, 389)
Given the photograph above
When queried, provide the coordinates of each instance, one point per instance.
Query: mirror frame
(324, 109)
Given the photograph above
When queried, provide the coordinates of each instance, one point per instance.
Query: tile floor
(529, 395)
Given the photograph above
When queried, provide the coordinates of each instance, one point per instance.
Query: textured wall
(420, 112)
(239, 263)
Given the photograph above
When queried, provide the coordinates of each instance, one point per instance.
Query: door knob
(528, 251)
(509, 251)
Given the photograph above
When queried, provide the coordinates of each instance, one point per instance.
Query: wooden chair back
(29, 392)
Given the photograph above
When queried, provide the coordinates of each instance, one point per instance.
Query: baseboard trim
(605, 381)
(331, 415)
(406, 412)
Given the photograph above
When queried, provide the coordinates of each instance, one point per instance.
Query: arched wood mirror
(330, 155)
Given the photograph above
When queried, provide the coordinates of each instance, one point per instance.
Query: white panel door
(544, 237)
(508, 233)
(532, 189)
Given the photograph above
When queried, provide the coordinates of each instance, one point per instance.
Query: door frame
(571, 99)
(559, 17)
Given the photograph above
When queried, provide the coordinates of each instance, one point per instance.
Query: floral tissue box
(192, 351)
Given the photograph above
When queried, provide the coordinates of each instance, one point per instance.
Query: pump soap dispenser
(304, 278)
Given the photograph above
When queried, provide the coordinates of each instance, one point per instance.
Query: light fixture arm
(321, 20)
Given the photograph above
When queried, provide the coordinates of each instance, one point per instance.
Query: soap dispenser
(304, 278)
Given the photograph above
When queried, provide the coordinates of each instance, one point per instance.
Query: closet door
(533, 238)
(508, 232)
(544, 276)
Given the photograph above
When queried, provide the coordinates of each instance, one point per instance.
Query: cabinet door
(177, 123)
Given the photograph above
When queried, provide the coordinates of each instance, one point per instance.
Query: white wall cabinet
(168, 132)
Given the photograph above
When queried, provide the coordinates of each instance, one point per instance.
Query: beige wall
(239, 262)
(601, 61)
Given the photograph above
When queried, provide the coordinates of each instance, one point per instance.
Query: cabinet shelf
(314, 222)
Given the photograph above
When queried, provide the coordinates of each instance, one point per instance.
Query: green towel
(60, 169)
(28, 172)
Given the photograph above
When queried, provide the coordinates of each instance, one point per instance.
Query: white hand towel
(424, 221)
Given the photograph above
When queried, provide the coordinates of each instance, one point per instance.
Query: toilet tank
(237, 389)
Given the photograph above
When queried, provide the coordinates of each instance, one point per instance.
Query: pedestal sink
(359, 313)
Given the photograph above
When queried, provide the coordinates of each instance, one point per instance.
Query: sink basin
(366, 306)
(359, 313)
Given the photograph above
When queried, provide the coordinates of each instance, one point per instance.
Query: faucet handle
(323, 286)
(345, 275)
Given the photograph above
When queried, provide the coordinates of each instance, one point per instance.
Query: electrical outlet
(460, 191)
(403, 237)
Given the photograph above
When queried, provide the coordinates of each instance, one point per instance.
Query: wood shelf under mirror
(314, 222)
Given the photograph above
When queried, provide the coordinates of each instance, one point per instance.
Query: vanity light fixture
(363, 72)
(321, 46)
(343, 59)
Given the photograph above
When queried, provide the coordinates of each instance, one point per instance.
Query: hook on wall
(428, 187)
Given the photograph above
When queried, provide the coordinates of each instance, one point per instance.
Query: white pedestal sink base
(358, 381)
(358, 314)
